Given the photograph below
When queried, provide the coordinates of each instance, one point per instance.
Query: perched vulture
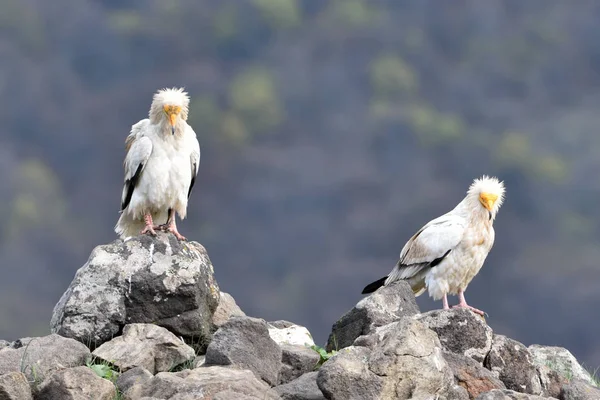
(445, 255)
(161, 164)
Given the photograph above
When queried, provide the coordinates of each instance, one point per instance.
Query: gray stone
(471, 375)
(145, 345)
(226, 309)
(303, 388)
(39, 357)
(4, 343)
(405, 362)
(460, 331)
(296, 361)
(513, 364)
(134, 376)
(386, 305)
(506, 394)
(347, 376)
(200, 383)
(579, 390)
(79, 383)
(559, 360)
(245, 343)
(144, 279)
(14, 386)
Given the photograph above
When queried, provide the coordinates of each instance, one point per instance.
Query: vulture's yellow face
(488, 200)
(172, 112)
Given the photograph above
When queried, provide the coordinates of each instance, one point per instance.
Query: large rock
(506, 394)
(460, 331)
(226, 309)
(386, 305)
(405, 362)
(471, 375)
(79, 383)
(513, 364)
(40, 357)
(245, 343)
(144, 279)
(145, 345)
(579, 390)
(559, 360)
(303, 388)
(202, 383)
(14, 386)
(296, 361)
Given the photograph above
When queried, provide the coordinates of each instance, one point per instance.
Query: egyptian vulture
(161, 163)
(445, 255)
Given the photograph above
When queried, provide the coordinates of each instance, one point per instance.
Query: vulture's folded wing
(429, 246)
(194, 157)
(139, 148)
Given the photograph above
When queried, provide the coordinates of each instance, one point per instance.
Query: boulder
(143, 279)
(296, 361)
(303, 388)
(460, 331)
(579, 390)
(559, 360)
(513, 364)
(134, 376)
(471, 375)
(79, 383)
(506, 394)
(284, 332)
(226, 309)
(202, 383)
(386, 305)
(244, 342)
(14, 386)
(405, 362)
(4, 343)
(145, 345)
(39, 357)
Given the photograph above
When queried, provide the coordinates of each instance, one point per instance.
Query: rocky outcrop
(386, 305)
(137, 302)
(145, 279)
(145, 345)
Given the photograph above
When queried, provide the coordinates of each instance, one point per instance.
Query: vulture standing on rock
(449, 251)
(161, 164)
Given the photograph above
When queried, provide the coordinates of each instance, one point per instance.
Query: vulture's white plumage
(445, 255)
(161, 164)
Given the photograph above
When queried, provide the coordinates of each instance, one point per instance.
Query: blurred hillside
(330, 130)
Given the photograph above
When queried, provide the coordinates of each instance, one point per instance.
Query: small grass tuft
(324, 355)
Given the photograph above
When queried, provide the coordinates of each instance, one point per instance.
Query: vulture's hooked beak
(173, 120)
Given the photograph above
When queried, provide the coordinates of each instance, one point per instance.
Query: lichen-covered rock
(579, 390)
(79, 383)
(386, 305)
(405, 362)
(14, 386)
(244, 342)
(514, 365)
(202, 383)
(134, 376)
(296, 361)
(145, 345)
(144, 279)
(284, 332)
(39, 357)
(460, 331)
(506, 394)
(471, 375)
(560, 361)
(303, 388)
(226, 309)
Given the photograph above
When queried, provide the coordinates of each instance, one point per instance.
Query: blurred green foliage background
(331, 130)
